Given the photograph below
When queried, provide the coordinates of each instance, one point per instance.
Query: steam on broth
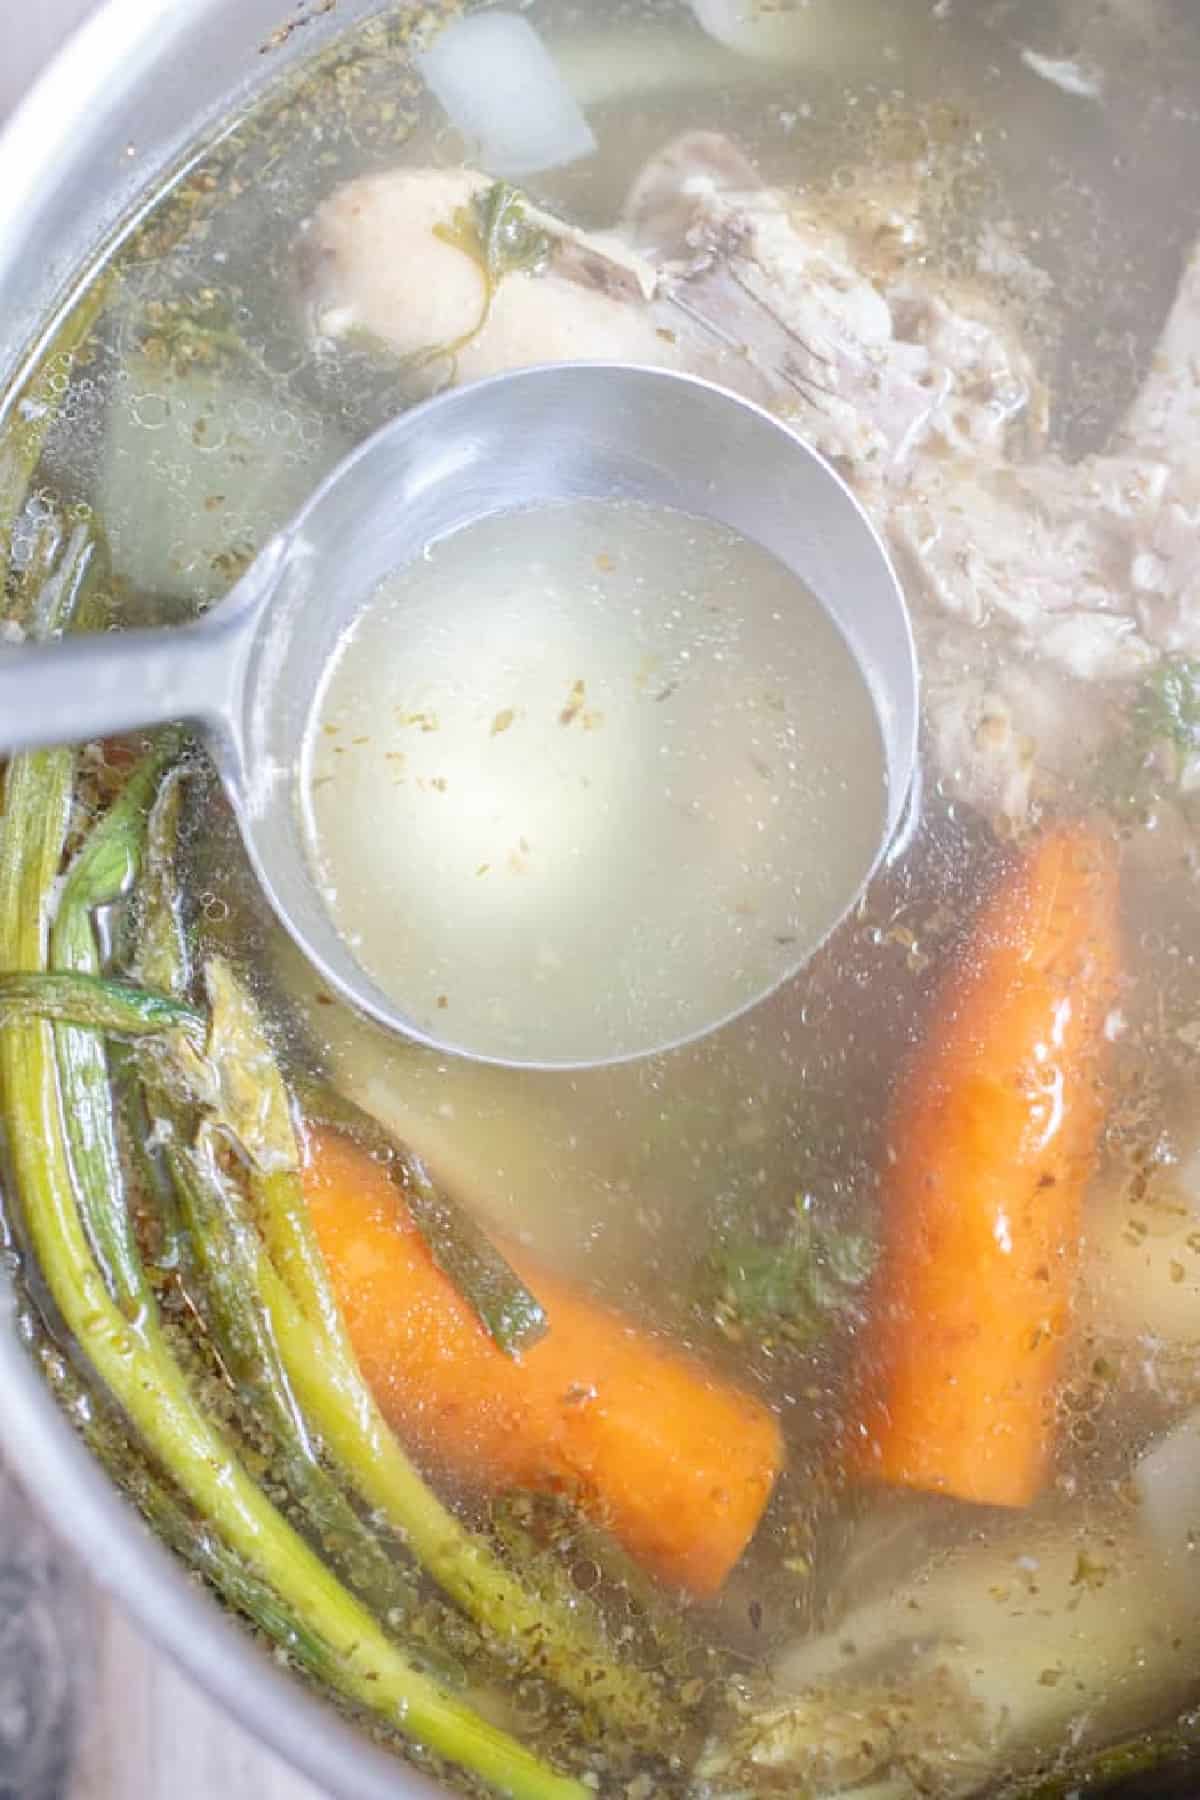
(475, 760)
(812, 1409)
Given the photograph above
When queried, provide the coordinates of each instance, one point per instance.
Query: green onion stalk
(202, 1549)
(537, 1632)
(103, 873)
(41, 1093)
(283, 1337)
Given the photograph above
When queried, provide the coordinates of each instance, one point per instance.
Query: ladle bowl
(247, 673)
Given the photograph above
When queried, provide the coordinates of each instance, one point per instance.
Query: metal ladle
(248, 673)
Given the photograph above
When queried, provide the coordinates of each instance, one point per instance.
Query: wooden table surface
(88, 1710)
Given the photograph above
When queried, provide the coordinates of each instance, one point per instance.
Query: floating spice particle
(214, 502)
(322, 998)
(502, 721)
(665, 693)
(646, 668)
(483, 868)
(1088, 1574)
(360, 740)
(331, 730)
(605, 563)
(439, 784)
(442, 1002)
(574, 705)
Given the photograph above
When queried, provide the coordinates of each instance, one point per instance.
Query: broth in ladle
(477, 763)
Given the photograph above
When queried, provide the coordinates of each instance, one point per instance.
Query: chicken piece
(985, 1659)
(868, 373)
(1003, 732)
(1095, 565)
(825, 312)
(378, 261)
(1048, 548)
(922, 394)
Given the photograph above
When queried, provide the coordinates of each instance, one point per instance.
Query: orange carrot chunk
(992, 1136)
(676, 1463)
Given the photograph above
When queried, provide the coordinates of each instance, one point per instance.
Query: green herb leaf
(495, 231)
(1168, 704)
(795, 1287)
(509, 242)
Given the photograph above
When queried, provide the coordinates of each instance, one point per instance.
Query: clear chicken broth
(1005, 186)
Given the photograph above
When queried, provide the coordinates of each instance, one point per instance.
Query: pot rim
(119, 40)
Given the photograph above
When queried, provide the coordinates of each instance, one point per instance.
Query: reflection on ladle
(412, 588)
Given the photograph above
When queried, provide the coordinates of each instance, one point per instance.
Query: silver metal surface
(249, 672)
(135, 87)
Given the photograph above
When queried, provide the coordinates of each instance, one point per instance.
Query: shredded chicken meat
(1081, 575)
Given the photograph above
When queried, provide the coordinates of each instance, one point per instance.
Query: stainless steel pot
(141, 82)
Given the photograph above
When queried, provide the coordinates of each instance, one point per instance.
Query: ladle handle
(102, 683)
